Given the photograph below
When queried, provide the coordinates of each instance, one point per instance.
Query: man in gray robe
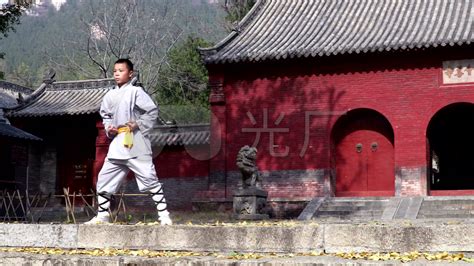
(128, 115)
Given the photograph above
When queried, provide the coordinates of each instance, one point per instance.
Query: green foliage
(34, 43)
(237, 9)
(185, 113)
(183, 84)
(10, 15)
(184, 78)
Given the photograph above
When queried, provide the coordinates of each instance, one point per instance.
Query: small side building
(14, 142)
(65, 115)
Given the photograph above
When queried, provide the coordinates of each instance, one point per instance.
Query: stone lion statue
(246, 163)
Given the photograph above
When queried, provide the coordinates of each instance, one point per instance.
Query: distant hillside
(39, 40)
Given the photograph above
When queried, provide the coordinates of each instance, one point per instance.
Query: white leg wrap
(103, 215)
(103, 199)
(159, 199)
(160, 202)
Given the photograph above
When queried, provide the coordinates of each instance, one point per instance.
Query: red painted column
(101, 149)
(217, 163)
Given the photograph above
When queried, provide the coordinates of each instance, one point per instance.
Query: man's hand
(132, 125)
(112, 131)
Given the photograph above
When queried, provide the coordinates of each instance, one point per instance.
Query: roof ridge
(208, 51)
(82, 81)
(81, 84)
(15, 87)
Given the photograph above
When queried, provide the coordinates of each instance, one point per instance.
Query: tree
(10, 16)
(236, 10)
(184, 77)
(183, 91)
(144, 31)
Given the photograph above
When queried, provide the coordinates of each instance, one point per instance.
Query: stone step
(445, 212)
(444, 216)
(351, 208)
(442, 204)
(396, 208)
(357, 202)
(348, 208)
(347, 217)
(368, 213)
(332, 201)
(439, 203)
(449, 200)
(366, 203)
(354, 205)
(447, 208)
(360, 198)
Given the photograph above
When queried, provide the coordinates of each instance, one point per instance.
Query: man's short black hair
(125, 61)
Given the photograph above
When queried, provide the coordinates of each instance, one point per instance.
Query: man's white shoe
(165, 220)
(99, 219)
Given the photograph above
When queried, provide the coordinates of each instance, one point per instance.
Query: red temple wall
(406, 88)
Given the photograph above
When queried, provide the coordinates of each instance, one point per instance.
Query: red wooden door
(78, 174)
(364, 160)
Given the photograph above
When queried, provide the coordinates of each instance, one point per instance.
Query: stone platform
(284, 237)
(270, 237)
(327, 226)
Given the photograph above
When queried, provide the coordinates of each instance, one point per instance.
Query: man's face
(122, 74)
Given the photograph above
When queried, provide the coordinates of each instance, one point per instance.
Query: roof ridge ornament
(136, 79)
(49, 76)
(47, 80)
(2, 118)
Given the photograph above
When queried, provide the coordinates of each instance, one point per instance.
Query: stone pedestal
(250, 203)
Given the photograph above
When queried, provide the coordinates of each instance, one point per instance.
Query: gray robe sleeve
(106, 114)
(147, 112)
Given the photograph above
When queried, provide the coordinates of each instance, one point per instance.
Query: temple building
(346, 98)
(341, 99)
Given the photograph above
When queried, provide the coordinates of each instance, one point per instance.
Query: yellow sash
(128, 138)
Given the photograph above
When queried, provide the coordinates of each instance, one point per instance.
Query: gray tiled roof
(279, 29)
(180, 135)
(7, 130)
(9, 93)
(66, 98)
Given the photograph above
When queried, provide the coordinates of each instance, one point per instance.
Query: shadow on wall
(287, 112)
